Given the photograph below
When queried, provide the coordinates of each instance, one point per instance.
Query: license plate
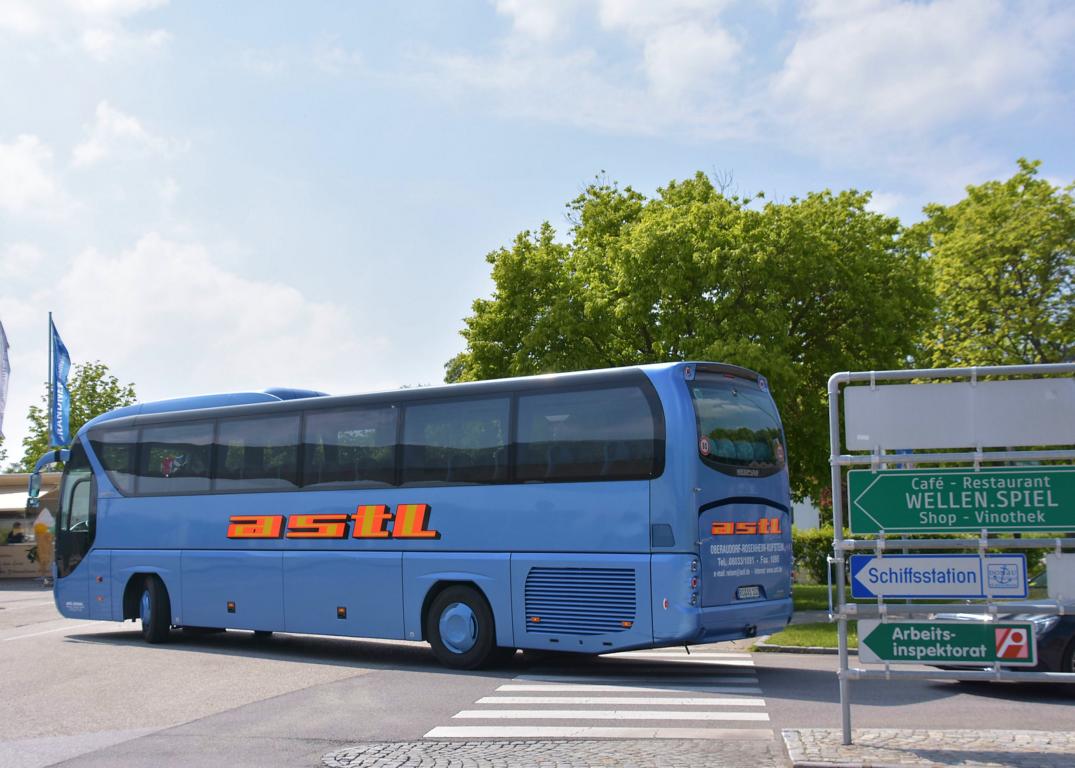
(748, 593)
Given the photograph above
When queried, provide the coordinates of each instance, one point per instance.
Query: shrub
(811, 549)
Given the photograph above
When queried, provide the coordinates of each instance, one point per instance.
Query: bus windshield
(738, 427)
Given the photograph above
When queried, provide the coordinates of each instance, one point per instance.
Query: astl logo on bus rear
(767, 526)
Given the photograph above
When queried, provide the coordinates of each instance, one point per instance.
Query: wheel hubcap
(147, 608)
(458, 628)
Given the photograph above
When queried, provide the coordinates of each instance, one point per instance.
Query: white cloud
(107, 42)
(641, 16)
(177, 322)
(332, 57)
(689, 57)
(112, 127)
(168, 316)
(678, 72)
(99, 27)
(540, 21)
(114, 8)
(887, 203)
(20, 16)
(27, 182)
(907, 84)
(20, 260)
(898, 68)
(262, 62)
(168, 190)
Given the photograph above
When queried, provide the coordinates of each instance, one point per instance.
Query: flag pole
(52, 385)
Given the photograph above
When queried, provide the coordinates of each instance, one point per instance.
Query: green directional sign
(953, 500)
(947, 642)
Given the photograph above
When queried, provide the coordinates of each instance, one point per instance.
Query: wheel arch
(130, 567)
(440, 586)
(132, 592)
(426, 575)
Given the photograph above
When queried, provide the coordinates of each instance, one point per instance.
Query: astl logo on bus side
(369, 521)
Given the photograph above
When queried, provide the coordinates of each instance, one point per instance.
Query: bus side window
(175, 458)
(456, 441)
(117, 450)
(257, 453)
(350, 446)
(585, 434)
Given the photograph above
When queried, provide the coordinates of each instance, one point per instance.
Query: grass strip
(820, 634)
(812, 597)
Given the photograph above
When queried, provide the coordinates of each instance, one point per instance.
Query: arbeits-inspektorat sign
(947, 642)
(955, 500)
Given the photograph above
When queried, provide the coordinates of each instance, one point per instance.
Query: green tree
(796, 290)
(94, 390)
(1003, 261)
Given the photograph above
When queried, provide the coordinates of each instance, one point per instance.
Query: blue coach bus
(590, 512)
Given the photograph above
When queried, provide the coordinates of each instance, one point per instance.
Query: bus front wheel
(460, 628)
(155, 610)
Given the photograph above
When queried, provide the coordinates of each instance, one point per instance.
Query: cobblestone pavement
(731, 753)
(884, 747)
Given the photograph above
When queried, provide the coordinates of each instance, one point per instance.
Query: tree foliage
(794, 290)
(94, 390)
(1003, 260)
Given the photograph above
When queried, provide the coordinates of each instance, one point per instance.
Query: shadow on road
(373, 654)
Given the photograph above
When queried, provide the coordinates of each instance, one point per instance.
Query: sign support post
(1036, 410)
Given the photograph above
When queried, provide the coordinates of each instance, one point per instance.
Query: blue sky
(218, 196)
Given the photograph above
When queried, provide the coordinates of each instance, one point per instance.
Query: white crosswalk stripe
(604, 714)
(669, 701)
(735, 678)
(610, 688)
(589, 732)
(703, 695)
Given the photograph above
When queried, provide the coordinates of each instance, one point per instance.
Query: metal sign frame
(844, 611)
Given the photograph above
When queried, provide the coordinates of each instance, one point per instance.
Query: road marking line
(17, 606)
(584, 732)
(47, 632)
(671, 701)
(590, 688)
(738, 678)
(603, 714)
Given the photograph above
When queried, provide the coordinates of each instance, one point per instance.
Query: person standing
(16, 535)
(43, 533)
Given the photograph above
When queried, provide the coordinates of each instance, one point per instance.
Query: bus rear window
(598, 434)
(738, 427)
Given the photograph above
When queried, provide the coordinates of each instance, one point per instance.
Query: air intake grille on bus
(579, 601)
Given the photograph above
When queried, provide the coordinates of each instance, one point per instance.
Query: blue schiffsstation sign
(944, 576)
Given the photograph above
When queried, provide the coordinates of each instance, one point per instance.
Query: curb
(767, 648)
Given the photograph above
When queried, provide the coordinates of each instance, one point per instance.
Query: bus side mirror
(34, 491)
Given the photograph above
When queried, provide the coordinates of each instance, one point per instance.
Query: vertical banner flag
(5, 376)
(59, 396)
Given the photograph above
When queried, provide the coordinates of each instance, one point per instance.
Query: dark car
(1055, 638)
(1055, 634)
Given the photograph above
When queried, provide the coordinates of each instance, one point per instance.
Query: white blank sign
(990, 414)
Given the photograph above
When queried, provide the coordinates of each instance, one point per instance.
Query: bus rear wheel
(460, 628)
(155, 610)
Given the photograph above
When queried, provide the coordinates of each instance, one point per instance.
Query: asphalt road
(93, 694)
